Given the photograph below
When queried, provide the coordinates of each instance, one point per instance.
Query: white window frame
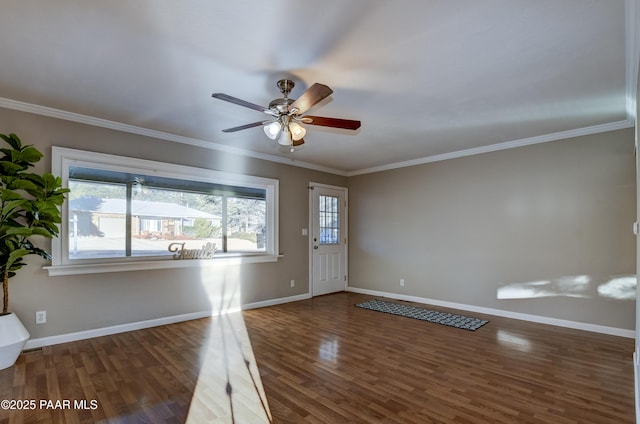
(64, 158)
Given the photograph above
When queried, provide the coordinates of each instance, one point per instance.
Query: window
(125, 213)
(329, 220)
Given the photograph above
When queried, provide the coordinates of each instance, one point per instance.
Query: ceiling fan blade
(297, 143)
(244, 127)
(323, 121)
(314, 94)
(240, 102)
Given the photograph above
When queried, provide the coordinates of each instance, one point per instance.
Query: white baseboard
(105, 331)
(122, 328)
(273, 302)
(501, 313)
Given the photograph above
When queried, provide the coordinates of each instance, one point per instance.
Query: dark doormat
(443, 318)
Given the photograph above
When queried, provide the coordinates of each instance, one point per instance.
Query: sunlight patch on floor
(229, 388)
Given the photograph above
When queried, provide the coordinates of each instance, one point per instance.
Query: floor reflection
(329, 350)
(513, 341)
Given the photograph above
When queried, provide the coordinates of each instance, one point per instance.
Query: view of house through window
(117, 214)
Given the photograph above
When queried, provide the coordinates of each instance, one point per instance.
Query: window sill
(97, 268)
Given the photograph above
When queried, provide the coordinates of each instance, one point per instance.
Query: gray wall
(465, 230)
(85, 302)
(456, 231)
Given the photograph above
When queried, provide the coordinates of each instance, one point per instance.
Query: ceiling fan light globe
(297, 131)
(285, 138)
(272, 130)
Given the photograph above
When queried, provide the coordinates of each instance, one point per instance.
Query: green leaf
(37, 231)
(12, 208)
(7, 152)
(15, 257)
(6, 194)
(10, 168)
(13, 140)
(19, 231)
(49, 182)
(19, 184)
(40, 252)
(31, 154)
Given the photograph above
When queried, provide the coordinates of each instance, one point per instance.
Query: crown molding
(613, 126)
(118, 126)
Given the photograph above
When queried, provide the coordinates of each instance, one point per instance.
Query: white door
(328, 210)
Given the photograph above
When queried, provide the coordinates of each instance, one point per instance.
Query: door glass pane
(329, 219)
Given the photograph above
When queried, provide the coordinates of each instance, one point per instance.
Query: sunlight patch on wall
(572, 286)
(620, 288)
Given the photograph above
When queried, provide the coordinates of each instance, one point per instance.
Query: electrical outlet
(293, 283)
(41, 317)
(402, 282)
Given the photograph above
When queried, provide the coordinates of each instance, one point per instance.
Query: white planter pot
(13, 336)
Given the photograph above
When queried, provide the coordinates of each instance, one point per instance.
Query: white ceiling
(428, 79)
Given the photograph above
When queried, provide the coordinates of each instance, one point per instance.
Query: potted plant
(29, 206)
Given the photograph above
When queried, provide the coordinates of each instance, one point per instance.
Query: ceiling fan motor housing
(280, 105)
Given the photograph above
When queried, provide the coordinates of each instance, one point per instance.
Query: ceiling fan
(288, 114)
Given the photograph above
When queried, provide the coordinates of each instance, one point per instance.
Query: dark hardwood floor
(200, 371)
(323, 360)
